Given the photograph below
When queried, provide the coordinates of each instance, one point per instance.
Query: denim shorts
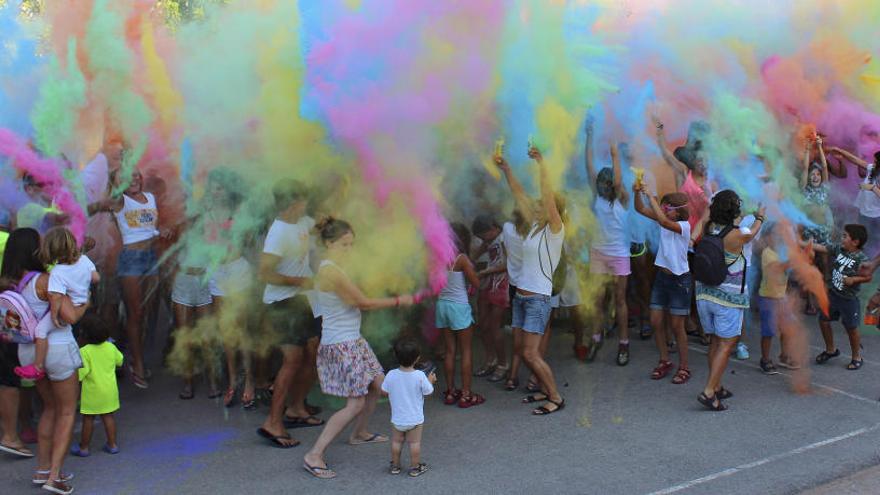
(62, 360)
(531, 313)
(770, 310)
(723, 321)
(672, 293)
(844, 309)
(452, 315)
(137, 263)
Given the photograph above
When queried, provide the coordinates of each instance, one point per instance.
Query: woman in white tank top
(347, 367)
(59, 389)
(137, 217)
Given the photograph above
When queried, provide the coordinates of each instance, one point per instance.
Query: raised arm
(334, 279)
(588, 152)
(638, 203)
(668, 157)
(519, 193)
(822, 160)
(850, 157)
(662, 219)
(548, 198)
(622, 194)
(805, 175)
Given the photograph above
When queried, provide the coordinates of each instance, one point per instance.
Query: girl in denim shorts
(671, 293)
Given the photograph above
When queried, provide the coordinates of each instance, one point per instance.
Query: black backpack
(708, 265)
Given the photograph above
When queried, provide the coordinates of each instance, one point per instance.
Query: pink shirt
(698, 201)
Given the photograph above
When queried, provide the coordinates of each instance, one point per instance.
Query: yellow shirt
(3, 238)
(100, 395)
(773, 281)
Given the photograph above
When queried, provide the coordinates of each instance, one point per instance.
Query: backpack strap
(726, 230)
(25, 280)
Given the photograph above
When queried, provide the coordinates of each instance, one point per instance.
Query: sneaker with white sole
(742, 351)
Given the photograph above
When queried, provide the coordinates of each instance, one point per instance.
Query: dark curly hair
(725, 208)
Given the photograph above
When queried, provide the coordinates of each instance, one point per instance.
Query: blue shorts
(770, 309)
(137, 263)
(672, 293)
(723, 321)
(531, 313)
(452, 315)
(844, 309)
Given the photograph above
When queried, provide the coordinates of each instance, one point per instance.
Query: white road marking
(766, 460)
(829, 388)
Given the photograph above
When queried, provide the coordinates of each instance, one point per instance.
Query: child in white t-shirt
(406, 388)
(72, 276)
(671, 293)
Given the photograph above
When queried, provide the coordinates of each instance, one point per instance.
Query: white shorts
(404, 428)
(231, 278)
(62, 360)
(190, 290)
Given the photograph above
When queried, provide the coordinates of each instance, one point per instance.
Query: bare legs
(137, 294)
(274, 424)
(413, 438)
(535, 361)
(88, 426)
(357, 409)
(9, 400)
(458, 339)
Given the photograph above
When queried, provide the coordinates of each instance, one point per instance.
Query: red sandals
(470, 400)
(451, 397)
(681, 376)
(661, 370)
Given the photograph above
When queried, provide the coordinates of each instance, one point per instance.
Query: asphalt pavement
(621, 432)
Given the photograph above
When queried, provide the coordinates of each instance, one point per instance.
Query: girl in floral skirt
(347, 367)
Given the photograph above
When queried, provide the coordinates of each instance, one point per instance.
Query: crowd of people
(711, 260)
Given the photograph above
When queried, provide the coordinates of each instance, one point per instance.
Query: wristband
(660, 125)
(759, 218)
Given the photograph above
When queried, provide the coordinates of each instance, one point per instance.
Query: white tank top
(63, 335)
(137, 221)
(340, 322)
(455, 289)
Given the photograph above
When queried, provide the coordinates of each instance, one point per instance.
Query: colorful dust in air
(390, 111)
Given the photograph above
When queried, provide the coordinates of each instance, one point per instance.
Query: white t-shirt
(290, 242)
(406, 393)
(673, 250)
(541, 251)
(868, 202)
(611, 217)
(73, 280)
(513, 245)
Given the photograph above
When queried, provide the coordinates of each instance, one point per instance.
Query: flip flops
(306, 422)
(374, 438)
(276, 440)
(324, 473)
(19, 451)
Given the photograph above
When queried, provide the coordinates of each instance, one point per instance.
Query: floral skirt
(346, 369)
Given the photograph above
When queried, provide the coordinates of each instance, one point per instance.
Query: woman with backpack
(720, 269)
(541, 254)
(23, 272)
